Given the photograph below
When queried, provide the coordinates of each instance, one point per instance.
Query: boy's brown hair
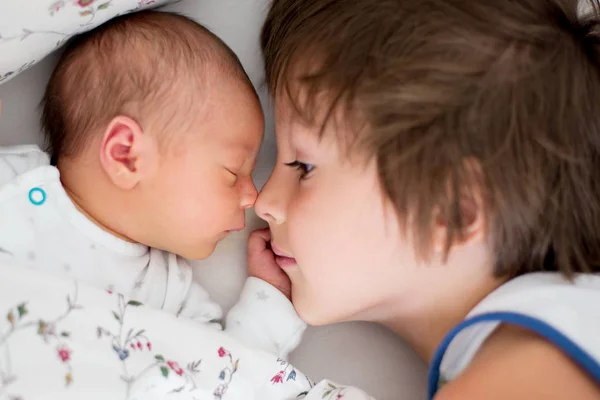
(496, 95)
(129, 66)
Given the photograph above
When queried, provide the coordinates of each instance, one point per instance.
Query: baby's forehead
(129, 66)
(227, 119)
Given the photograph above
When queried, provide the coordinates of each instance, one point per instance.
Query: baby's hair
(129, 66)
(493, 97)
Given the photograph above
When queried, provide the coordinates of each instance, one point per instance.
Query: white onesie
(40, 228)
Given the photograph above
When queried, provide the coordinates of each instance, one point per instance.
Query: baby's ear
(124, 146)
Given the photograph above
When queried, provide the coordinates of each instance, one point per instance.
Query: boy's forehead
(319, 114)
(342, 132)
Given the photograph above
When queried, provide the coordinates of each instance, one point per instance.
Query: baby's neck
(92, 201)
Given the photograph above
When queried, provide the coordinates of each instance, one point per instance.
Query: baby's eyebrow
(240, 149)
(240, 153)
(244, 148)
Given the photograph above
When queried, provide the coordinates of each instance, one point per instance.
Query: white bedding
(359, 354)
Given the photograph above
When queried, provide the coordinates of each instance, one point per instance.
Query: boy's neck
(89, 199)
(425, 332)
(425, 325)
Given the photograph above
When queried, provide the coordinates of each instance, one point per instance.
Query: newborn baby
(153, 130)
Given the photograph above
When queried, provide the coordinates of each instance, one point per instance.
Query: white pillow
(32, 29)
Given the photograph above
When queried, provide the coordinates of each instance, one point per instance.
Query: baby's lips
(238, 229)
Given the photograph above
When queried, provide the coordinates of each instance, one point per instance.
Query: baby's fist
(262, 265)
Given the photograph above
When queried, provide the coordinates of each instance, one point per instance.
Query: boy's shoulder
(522, 334)
(515, 363)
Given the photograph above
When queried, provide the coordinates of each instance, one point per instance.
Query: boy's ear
(124, 150)
(472, 221)
(472, 225)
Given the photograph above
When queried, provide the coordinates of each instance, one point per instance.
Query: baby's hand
(262, 265)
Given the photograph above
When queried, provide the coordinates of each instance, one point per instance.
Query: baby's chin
(198, 252)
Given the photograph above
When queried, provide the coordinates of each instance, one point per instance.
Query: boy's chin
(312, 313)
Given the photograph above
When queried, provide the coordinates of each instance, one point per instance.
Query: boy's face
(203, 182)
(335, 224)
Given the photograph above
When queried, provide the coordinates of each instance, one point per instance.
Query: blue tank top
(566, 313)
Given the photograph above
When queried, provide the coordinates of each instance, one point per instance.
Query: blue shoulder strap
(551, 334)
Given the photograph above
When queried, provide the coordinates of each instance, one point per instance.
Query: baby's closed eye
(231, 175)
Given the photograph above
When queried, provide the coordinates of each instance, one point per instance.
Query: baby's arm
(265, 318)
(329, 390)
(199, 307)
(181, 295)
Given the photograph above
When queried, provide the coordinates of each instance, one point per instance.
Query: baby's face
(203, 184)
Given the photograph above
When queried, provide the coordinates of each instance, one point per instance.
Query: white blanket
(64, 340)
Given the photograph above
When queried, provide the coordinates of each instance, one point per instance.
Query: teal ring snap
(37, 196)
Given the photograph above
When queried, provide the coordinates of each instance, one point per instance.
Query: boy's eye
(304, 168)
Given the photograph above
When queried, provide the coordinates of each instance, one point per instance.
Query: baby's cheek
(224, 204)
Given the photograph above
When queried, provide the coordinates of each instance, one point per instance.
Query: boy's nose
(269, 205)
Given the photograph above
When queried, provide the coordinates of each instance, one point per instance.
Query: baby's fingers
(259, 240)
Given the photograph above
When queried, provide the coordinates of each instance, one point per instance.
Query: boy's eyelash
(304, 168)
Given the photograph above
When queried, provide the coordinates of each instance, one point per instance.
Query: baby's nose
(249, 195)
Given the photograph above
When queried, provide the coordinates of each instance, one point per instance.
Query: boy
(438, 173)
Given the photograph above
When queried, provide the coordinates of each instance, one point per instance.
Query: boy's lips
(283, 258)
(279, 252)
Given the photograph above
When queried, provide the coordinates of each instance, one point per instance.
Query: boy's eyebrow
(302, 142)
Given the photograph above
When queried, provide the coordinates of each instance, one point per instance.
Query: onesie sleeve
(266, 319)
(329, 390)
(17, 160)
(263, 318)
(187, 298)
